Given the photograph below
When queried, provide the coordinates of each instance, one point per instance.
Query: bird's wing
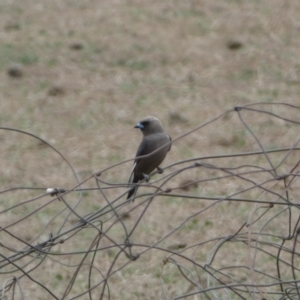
(130, 180)
(170, 141)
(142, 150)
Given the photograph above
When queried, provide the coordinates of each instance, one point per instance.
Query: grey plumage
(154, 137)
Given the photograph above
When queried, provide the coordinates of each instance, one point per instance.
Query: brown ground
(79, 74)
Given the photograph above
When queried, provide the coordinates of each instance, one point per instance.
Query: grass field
(80, 74)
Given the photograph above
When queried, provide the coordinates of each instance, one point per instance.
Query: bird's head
(149, 125)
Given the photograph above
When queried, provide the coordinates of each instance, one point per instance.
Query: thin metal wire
(237, 244)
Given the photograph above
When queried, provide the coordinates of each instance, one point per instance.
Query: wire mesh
(214, 226)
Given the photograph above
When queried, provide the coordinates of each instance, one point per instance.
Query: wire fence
(219, 226)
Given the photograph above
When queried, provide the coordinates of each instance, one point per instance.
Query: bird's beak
(139, 125)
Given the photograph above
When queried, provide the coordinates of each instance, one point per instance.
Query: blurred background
(80, 74)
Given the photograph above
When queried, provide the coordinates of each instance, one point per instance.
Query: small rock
(15, 70)
(76, 46)
(56, 91)
(234, 45)
(188, 184)
(125, 216)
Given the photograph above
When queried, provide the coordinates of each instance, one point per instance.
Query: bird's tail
(132, 192)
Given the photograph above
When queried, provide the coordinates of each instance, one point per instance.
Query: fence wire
(223, 225)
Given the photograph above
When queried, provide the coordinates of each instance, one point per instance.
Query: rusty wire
(253, 253)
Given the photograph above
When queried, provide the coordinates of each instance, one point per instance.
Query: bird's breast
(148, 164)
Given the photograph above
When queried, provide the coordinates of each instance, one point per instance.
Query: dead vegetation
(87, 71)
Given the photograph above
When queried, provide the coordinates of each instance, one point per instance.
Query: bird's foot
(147, 177)
(159, 170)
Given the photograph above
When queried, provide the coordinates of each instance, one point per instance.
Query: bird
(154, 137)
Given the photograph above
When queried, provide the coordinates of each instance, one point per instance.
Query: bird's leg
(147, 177)
(159, 170)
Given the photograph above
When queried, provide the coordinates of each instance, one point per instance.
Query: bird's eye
(145, 123)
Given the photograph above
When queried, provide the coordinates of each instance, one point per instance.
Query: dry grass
(87, 71)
